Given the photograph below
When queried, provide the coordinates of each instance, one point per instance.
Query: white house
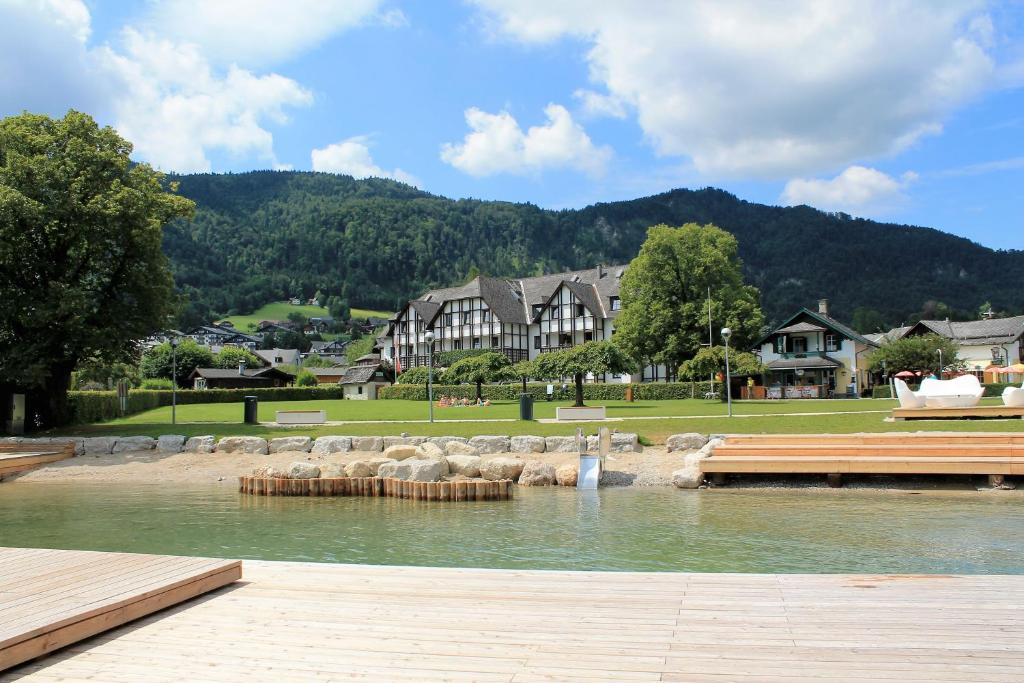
(984, 344)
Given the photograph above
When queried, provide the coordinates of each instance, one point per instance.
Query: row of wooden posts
(377, 487)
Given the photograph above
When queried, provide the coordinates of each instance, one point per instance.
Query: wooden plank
(959, 413)
(50, 599)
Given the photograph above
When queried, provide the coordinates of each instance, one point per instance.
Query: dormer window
(537, 308)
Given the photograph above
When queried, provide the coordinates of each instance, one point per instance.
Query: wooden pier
(995, 454)
(17, 458)
(291, 621)
(53, 598)
(379, 487)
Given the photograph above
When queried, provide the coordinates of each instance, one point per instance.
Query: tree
(298, 318)
(524, 370)
(664, 294)
(485, 367)
(867, 320)
(315, 361)
(230, 356)
(158, 361)
(710, 361)
(590, 358)
(917, 354)
(82, 273)
(305, 378)
(286, 339)
(416, 375)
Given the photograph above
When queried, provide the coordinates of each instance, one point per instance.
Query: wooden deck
(977, 412)
(17, 458)
(52, 598)
(321, 622)
(884, 453)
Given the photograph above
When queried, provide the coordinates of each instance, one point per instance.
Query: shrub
(154, 383)
(305, 378)
(416, 375)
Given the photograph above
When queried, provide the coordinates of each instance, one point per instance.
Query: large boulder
(133, 443)
(358, 468)
(170, 443)
(242, 444)
(440, 459)
(560, 444)
(99, 445)
(400, 452)
(372, 444)
(527, 444)
(466, 465)
(502, 468)
(431, 450)
(332, 470)
(689, 475)
(567, 475)
(291, 443)
(200, 444)
(375, 463)
(442, 441)
(403, 441)
(490, 444)
(412, 470)
(626, 442)
(690, 441)
(325, 445)
(303, 470)
(537, 473)
(460, 448)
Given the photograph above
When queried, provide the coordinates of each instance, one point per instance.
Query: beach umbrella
(904, 374)
(1015, 369)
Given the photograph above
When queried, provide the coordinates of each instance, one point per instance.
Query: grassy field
(280, 310)
(653, 420)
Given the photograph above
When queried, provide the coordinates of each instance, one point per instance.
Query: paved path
(321, 622)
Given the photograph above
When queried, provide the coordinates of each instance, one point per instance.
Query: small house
(362, 382)
(241, 378)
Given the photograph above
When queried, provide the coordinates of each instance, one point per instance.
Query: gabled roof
(799, 327)
(974, 332)
(289, 356)
(828, 321)
(248, 373)
(359, 374)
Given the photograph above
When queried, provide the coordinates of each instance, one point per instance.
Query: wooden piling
(376, 487)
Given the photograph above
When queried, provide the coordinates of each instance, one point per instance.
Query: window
(565, 340)
(579, 310)
(831, 342)
(476, 342)
(799, 345)
(536, 341)
(780, 345)
(485, 315)
(588, 336)
(360, 390)
(457, 344)
(556, 312)
(448, 319)
(616, 303)
(494, 342)
(537, 308)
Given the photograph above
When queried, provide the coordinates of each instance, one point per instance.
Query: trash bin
(525, 407)
(251, 404)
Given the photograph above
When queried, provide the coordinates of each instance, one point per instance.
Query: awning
(809, 363)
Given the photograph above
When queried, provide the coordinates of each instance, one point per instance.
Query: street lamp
(429, 339)
(726, 333)
(940, 363)
(174, 380)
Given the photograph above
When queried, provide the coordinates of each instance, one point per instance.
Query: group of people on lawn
(453, 402)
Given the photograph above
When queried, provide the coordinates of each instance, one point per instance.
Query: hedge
(98, 406)
(652, 391)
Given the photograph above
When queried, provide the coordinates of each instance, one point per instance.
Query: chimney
(600, 271)
(823, 306)
(241, 367)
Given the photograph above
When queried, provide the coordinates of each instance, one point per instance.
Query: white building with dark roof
(521, 318)
(984, 344)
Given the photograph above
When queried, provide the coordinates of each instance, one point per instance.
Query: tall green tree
(917, 354)
(82, 273)
(230, 356)
(711, 361)
(595, 357)
(485, 367)
(159, 361)
(664, 318)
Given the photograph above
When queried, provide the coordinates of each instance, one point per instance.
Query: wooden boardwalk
(17, 458)
(321, 622)
(977, 412)
(51, 598)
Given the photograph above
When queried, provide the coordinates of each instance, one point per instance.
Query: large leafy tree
(177, 364)
(664, 292)
(711, 361)
(484, 367)
(917, 354)
(595, 357)
(82, 273)
(230, 356)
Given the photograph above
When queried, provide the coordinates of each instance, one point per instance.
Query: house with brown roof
(519, 317)
(362, 382)
(813, 355)
(239, 378)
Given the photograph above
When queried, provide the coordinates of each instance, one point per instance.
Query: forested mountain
(262, 236)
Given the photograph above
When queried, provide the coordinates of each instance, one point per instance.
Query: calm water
(614, 529)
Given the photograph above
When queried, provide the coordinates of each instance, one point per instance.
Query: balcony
(801, 354)
(549, 349)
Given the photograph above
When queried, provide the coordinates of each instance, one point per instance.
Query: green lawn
(280, 310)
(658, 419)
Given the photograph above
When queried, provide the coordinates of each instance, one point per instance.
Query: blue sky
(904, 112)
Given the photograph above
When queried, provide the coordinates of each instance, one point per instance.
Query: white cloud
(176, 108)
(496, 144)
(596, 104)
(352, 157)
(761, 89)
(860, 189)
(259, 32)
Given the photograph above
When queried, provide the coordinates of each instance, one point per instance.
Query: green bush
(880, 391)
(416, 375)
(155, 383)
(97, 406)
(660, 391)
(996, 388)
(305, 378)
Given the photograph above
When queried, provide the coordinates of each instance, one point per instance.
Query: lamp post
(940, 363)
(726, 333)
(174, 380)
(429, 339)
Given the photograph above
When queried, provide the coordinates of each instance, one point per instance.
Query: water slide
(590, 472)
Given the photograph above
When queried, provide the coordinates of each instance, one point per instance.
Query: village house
(275, 357)
(239, 378)
(362, 381)
(520, 318)
(812, 355)
(218, 335)
(333, 351)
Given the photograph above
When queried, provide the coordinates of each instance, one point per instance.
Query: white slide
(590, 472)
